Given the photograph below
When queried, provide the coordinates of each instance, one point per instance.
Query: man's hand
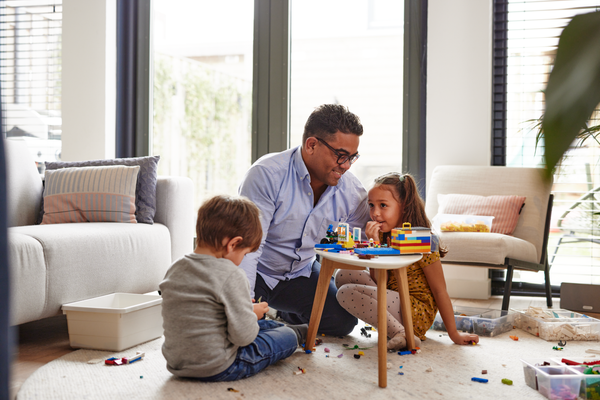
(372, 230)
(260, 309)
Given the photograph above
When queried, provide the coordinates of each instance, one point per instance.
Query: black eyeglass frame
(342, 155)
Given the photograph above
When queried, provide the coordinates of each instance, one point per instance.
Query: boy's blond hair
(225, 216)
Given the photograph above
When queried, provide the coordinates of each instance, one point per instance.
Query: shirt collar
(299, 164)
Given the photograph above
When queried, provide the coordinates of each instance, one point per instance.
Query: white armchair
(526, 248)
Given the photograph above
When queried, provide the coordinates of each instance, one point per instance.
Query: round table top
(381, 262)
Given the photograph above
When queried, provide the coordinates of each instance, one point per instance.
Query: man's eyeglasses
(342, 155)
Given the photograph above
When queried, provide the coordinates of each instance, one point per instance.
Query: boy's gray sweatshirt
(207, 314)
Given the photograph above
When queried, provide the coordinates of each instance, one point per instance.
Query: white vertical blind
(30, 72)
(534, 27)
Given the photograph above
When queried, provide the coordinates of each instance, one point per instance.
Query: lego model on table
(405, 240)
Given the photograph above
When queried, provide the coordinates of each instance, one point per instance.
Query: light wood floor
(40, 342)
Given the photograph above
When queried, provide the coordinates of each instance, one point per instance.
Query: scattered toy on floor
(562, 343)
(507, 381)
(482, 380)
(515, 338)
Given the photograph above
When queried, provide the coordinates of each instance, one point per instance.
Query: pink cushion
(505, 209)
(90, 194)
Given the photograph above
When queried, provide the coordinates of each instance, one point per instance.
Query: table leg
(327, 268)
(405, 306)
(382, 325)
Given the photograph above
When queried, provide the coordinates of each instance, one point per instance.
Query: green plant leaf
(573, 89)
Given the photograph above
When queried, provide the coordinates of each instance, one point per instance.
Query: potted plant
(573, 89)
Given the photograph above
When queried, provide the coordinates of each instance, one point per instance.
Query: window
(30, 65)
(526, 54)
(350, 53)
(203, 92)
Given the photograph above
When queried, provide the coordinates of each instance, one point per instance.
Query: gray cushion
(145, 192)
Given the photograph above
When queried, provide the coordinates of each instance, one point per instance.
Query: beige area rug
(71, 377)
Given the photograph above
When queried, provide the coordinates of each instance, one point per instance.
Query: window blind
(30, 73)
(526, 34)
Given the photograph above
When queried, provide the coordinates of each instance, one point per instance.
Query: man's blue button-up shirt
(279, 184)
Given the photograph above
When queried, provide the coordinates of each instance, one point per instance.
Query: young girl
(393, 200)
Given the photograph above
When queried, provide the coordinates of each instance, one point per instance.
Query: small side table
(332, 261)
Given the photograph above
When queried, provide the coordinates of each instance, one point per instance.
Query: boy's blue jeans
(274, 342)
(294, 299)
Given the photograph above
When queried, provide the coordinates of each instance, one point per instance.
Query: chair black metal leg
(507, 287)
(556, 249)
(548, 287)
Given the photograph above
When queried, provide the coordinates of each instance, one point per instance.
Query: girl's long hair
(404, 189)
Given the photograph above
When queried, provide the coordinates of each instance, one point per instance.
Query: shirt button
(309, 193)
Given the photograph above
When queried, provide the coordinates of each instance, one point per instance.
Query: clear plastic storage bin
(482, 321)
(561, 325)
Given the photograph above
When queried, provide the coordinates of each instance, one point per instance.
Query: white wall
(459, 104)
(88, 79)
(459, 83)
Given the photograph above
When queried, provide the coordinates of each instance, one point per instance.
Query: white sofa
(51, 265)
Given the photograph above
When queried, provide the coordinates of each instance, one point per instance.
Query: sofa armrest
(174, 209)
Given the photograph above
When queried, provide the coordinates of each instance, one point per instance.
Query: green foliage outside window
(201, 125)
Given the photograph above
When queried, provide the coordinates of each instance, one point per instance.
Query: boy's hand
(464, 338)
(260, 309)
(372, 230)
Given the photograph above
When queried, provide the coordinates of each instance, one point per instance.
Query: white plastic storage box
(590, 385)
(560, 325)
(559, 382)
(114, 322)
(556, 380)
(530, 369)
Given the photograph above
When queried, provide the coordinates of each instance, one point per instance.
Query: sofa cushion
(90, 194)
(24, 188)
(504, 209)
(489, 248)
(145, 192)
(27, 277)
(85, 260)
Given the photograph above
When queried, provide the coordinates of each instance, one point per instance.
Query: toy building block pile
(405, 240)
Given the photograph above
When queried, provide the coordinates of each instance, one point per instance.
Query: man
(300, 192)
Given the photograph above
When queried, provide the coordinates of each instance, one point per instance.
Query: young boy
(210, 324)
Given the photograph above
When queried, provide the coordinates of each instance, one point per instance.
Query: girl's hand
(372, 230)
(260, 309)
(464, 338)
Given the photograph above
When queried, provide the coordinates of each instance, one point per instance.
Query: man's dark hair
(327, 119)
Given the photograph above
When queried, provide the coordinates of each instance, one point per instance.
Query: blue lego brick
(329, 246)
(378, 251)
